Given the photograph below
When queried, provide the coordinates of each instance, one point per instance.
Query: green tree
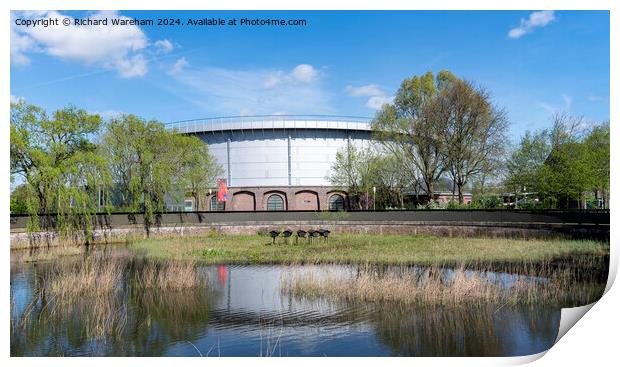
(597, 145)
(19, 198)
(198, 168)
(525, 162)
(58, 164)
(354, 168)
(150, 164)
(143, 160)
(409, 127)
(563, 163)
(566, 173)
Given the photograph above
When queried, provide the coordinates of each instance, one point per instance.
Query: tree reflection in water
(466, 331)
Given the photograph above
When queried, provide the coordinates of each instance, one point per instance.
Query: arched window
(216, 206)
(336, 202)
(275, 203)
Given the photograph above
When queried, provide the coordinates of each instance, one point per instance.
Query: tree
(19, 198)
(58, 164)
(149, 163)
(409, 127)
(198, 168)
(473, 134)
(563, 163)
(143, 162)
(598, 148)
(524, 163)
(353, 169)
(566, 174)
(391, 176)
(491, 175)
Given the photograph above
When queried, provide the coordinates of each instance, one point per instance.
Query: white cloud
(131, 67)
(108, 47)
(552, 108)
(20, 44)
(273, 79)
(178, 66)
(221, 91)
(302, 73)
(305, 73)
(163, 46)
(377, 96)
(568, 102)
(364, 90)
(376, 102)
(536, 19)
(16, 99)
(593, 98)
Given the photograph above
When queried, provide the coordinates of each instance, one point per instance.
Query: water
(241, 311)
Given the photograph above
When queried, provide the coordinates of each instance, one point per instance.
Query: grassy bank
(389, 249)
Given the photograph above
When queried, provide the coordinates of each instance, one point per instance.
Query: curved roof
(271, 122)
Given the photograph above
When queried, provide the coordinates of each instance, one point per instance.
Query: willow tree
(409, 127)
(149, 164)
(198, 168)
(143, 163)
(58, 163)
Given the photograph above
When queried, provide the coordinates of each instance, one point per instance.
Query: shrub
(487, 202)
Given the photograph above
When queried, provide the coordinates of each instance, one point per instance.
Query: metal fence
(262, 122)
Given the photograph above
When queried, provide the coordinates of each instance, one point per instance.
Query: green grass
(378, 249)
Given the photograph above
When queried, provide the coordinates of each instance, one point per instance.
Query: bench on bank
(309, 235)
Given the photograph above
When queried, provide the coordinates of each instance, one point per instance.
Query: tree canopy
(442, 124)
(564, 163)
(60, 167)
(71, 165)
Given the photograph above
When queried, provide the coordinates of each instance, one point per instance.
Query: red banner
(222, 190)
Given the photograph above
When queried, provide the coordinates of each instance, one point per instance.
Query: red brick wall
(306, 200)
(243, 200)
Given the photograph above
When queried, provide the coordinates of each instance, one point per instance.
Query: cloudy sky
(342, 63)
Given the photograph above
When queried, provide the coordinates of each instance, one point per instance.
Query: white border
(592, 341)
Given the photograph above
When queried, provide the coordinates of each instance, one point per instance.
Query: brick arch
(306, 200)
(281, 194)
(243, 200)
(345, 196)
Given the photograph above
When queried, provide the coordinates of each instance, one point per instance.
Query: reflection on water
(241, 311)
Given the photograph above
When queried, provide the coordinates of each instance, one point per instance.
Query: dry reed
(437, 285)
(94, 290)
(169, 274)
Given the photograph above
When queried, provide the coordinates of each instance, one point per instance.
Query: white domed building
(277, 162)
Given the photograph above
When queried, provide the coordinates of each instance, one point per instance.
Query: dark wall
(452, 217)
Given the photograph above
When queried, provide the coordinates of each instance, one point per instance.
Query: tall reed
(439, 285)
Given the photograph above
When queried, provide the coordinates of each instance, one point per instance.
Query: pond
(244, 310)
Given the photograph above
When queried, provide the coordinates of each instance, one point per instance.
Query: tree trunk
(460, 191)
(196, 200)
(429, 191)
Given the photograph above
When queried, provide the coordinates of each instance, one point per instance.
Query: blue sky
(343, 63)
